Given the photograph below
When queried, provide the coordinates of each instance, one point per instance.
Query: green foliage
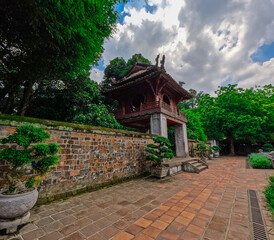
(171, 137)
(202, 150)
(45, 149)
(216, 148)
(193, 102)
(242, 114)
(271, 179)
(16, 157)
(257, 160)
(49, 40)
(41, 156)
(159, 150)
(45, 163)
(237, 113)
(195, 130)
(269, 194)
(81, 103)
(26, 135)
(268, 147)
(98, 115)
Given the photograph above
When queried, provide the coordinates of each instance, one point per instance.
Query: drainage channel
(257, 222)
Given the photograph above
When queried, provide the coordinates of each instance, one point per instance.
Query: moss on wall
(15, 120)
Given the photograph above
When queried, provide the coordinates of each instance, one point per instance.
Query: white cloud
(206, 42)
(96, 75)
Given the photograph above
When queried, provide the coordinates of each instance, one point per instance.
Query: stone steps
(194, 165)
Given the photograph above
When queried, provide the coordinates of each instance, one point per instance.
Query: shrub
(202, 150)
(159, 151)
(216, 148)
(267, 147)
(39, 157)
(257, 160)
(269, 194)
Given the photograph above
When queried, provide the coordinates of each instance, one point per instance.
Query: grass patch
(257, 160)
(269, 194)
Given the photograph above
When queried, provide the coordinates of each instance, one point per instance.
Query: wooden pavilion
(148, 98)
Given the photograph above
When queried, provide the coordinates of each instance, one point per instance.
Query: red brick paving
(210, 205)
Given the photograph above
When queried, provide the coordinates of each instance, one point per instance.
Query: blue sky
(207, 43)
(264, 53)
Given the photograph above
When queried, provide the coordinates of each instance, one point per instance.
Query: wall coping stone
(14, 120)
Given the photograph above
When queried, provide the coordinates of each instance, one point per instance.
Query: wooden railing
(153, 105)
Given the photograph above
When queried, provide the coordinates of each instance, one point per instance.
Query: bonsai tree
(27, 158)
(159, 150)
(216, 148)
(202, 150)
(267, 147)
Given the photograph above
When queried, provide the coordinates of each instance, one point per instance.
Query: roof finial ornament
(157, 60)
(163, 61)
(181, 83)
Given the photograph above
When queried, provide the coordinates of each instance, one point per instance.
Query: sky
(207, 43)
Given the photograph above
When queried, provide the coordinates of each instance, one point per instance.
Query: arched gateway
(148, 98)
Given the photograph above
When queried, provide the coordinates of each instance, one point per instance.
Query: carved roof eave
(130, 83)
(130, 78)
(151, 72)
(177, 87)
(144, 65)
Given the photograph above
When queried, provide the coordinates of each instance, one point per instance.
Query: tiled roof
(146, 72)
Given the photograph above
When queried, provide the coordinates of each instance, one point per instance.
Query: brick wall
(88, 159)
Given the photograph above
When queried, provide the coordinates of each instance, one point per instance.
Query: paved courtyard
(209, 205)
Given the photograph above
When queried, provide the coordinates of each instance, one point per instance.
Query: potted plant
(27, 162)
(216, 150)
(267, 147)
(202, 151)
(158, 152)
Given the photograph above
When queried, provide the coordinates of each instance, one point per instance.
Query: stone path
(209, 205)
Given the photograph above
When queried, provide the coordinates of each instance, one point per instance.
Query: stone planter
(159, 172)
(14, 206)
(216, 154)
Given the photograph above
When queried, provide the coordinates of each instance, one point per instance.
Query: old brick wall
(88, 159)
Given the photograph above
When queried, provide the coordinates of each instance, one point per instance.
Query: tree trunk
(232, 149)
(26, 97)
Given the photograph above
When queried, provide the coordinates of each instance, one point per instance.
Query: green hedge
(257, 160)
(269, 194)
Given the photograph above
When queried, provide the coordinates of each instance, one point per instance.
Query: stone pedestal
(181, 141)
(11, 224)
(158, 124)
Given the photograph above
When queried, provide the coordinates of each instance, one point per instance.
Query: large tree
(194, 101)
(195, 129)
(45, 41)
(77, 101)
(238, 113)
